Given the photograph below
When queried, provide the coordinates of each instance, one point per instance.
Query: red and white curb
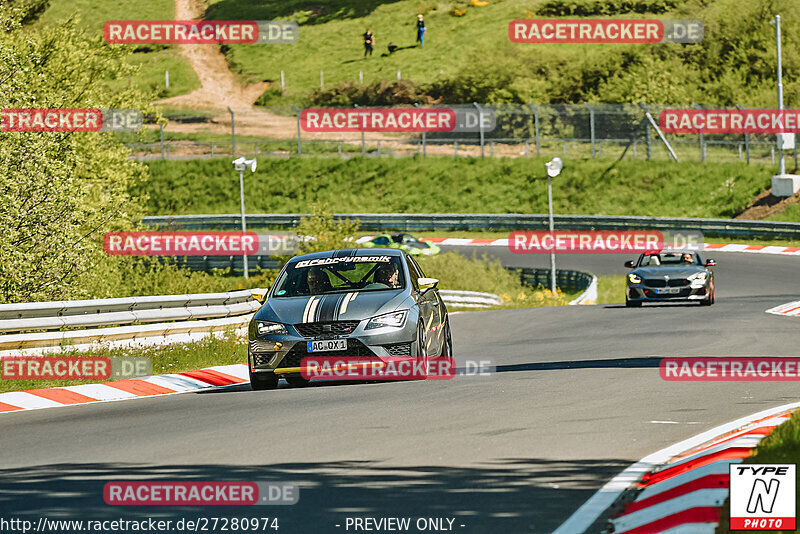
(681, 488)
(34, 399)
(790, 309)
(503, 242)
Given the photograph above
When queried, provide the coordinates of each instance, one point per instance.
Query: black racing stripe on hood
(326, 310)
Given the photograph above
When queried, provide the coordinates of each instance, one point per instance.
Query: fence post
(746, 140)
(361, 77)
(340, 149)
(740, 151)
(424, 147)
(527, 142)
(161, 126)
(591, 126)
(299, 142)
(212, 150)
(565, 147)
(255, 150)
(702, 141)
(363, 145)
(536, 125)
(480, 124)
(379, 147)
(398, 75)
(772, 151)
(491, 148)
(233, 132)
(166, 76)
(635, 142)
(283, 84)
(455, 149)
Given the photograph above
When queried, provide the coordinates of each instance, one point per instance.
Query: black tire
(262, 381)
(447, 348)
(296, 381)
(420, 342)
(633, 303)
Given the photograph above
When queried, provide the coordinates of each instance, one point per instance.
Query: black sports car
(668, 276)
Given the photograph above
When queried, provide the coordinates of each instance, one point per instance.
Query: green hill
(470, 58)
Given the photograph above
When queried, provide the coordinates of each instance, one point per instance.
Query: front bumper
(271, 352)
(643, 293)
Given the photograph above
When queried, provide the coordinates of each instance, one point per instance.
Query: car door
(430, 309)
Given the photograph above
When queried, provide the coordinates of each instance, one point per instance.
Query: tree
(60, 192)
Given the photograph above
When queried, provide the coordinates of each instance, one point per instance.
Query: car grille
(337, 328)
(294, 357)
(685, 292)
(398, 349)
(660, 282)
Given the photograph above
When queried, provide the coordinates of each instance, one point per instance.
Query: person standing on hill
(420, 30)
(369, 42)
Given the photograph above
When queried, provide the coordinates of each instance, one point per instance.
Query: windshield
(665, 259)
(332, 275)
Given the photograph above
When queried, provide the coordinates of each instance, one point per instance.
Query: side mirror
(427, 283)
(259, 294)
(630, 264)
(710, 262)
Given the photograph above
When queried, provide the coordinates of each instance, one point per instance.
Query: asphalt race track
(577, 397)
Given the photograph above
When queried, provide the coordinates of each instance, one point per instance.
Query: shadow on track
(507, 495)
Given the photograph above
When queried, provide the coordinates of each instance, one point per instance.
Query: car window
(413, 272)
(333, 275)
(669, 259)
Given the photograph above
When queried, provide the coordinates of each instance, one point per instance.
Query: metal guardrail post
(536, 126)
(480, 124)
(455, 149)
(591, 127)
(299, 142)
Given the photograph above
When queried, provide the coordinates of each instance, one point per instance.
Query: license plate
(328, 344)
(668, 290)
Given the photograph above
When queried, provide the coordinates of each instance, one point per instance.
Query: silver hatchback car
(350, 302)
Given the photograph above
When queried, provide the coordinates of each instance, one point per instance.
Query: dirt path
(766, 205)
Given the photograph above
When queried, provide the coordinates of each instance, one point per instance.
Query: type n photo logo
(763, 496)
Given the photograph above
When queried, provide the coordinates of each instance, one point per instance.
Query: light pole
(240, 164)
(777, 22)
(554, 167)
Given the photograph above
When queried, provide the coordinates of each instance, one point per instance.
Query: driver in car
(387, 274)
(318, 281)
(687, 258)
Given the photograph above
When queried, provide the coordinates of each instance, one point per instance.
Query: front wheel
(262, 381)
(447, 346)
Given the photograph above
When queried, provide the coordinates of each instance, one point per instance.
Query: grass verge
(222, 350)
(463, 185)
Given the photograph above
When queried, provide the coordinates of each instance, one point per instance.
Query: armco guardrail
(469, 299)
(151, 319)
(565, 279)
(377, 222)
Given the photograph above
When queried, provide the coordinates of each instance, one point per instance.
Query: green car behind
(406, 242)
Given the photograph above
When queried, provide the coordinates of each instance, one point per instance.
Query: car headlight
(396, 319)
(267, 327)
(700, 277)
(633, 279)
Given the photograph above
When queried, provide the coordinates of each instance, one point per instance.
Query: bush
(381, 93)
(587, 8)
